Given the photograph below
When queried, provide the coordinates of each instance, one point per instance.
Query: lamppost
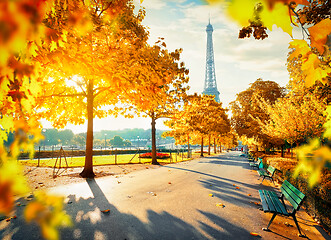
(105, 140)
(138, 141)
(44, 131)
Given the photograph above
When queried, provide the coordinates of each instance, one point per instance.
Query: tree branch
(65, 95)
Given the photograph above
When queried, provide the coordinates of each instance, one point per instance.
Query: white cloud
(153, 4)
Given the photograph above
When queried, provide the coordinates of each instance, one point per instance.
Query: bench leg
(263, 179)
(272, 218)
(297, 224)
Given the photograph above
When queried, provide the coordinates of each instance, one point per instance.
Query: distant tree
(79, 139)
(117, 141)
(65, 136)
(51, 135)
(200, 117)
(246, 109)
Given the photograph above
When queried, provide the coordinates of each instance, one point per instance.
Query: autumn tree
(247, 112)
(161, 85)
(229, 140)
(200, 116)
(312, 54)
(83, 73)
(295, 118)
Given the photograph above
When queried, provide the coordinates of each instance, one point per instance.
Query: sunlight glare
(75, 82)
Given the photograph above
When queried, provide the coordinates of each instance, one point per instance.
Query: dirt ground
(42, 177)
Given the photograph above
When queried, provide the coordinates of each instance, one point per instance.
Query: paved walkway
(177, 201)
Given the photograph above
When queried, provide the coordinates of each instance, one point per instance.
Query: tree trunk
(154, 159)
(188, 146)
(88, 168)
(215, 146)
(282, 153)
(220, 147)
(201, 152)
(209, 145)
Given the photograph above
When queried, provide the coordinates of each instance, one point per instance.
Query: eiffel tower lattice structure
(210, 87)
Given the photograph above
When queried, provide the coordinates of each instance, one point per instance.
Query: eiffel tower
(210, 87)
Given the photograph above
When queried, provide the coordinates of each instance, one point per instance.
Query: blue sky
(238, 62)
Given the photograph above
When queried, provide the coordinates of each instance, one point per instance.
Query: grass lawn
(99, 160)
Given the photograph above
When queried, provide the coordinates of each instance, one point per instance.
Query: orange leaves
(106, 211)
(319, 34)
(20, 22)
(254, 234)
(271, 3)
(48, 212)
(312, 66)
(6, 197)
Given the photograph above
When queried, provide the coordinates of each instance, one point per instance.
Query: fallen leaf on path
(237, 187)
(256, 203)
(105, 211)
(211, 195)
(254, 234)
(234, 185)
(288, 224)
(220, 205)
(169, 182)
(249, 194)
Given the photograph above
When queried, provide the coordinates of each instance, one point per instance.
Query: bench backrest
(271, 169)
(260, 164)
(292, 194)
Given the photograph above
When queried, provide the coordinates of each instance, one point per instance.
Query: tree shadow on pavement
(226, 191)
(229, 160)
(91, 223)
(229, 230)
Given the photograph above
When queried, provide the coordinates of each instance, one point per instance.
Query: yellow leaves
(279, 16)
(242, 11)
(53, 46)
(210, 195)
(319, 34)
(327, 125)
(267, 13)
(313, 156)
(12, 183)
(312, 159)
(48, 212)
(220, 205)
(312, 67)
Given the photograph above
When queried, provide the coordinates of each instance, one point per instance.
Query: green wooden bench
(269, 173)
(258, 164)
(251, 158)
(271, 202)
